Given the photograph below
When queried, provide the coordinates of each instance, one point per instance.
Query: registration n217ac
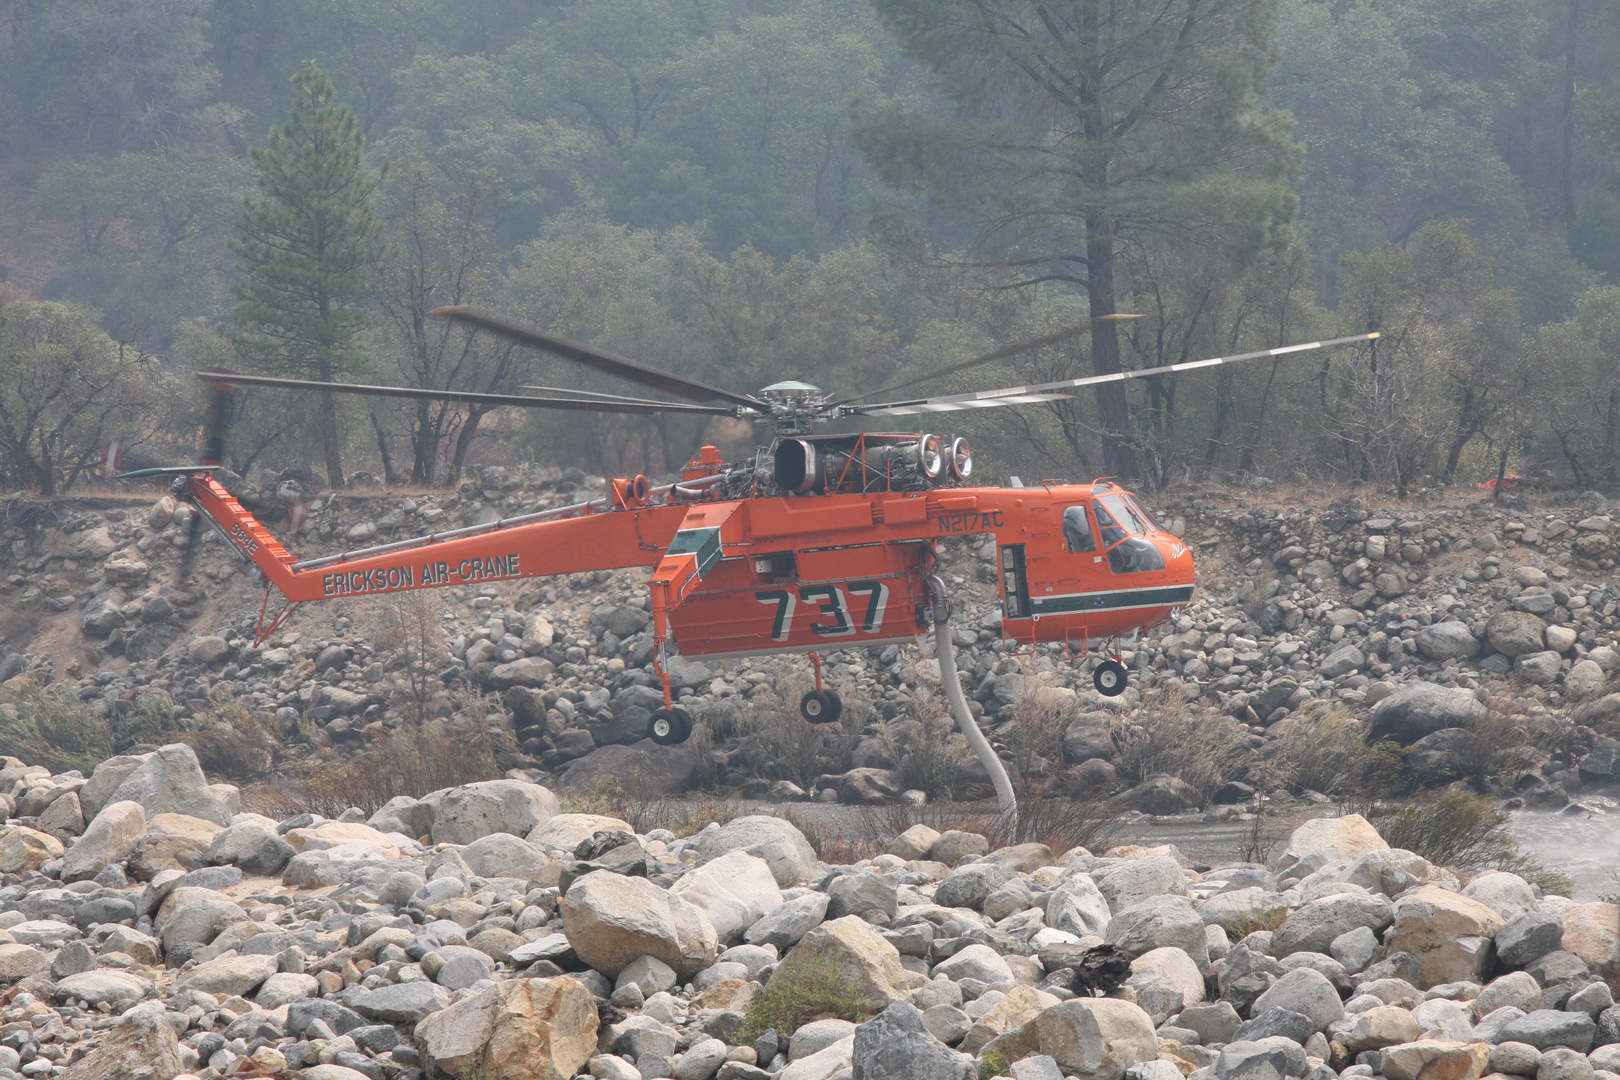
(970, 521)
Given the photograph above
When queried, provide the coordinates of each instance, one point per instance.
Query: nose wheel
(670, 726)
(821, 706)
(1109, 677)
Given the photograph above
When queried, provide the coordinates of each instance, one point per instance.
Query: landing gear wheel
(1109, 678)
(670, 726)
(820, 706)
(837, 705)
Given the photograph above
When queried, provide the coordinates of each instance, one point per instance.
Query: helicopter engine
(862, 463)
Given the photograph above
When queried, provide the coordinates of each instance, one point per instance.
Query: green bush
(1462, 831)
(815, 992)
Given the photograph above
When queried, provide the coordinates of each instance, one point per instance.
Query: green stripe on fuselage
(1108, 601)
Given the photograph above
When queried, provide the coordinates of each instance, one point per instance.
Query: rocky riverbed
(480, 933)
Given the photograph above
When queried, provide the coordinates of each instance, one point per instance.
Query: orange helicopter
(816, 543)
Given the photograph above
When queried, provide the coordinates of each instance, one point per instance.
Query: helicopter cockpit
(1114, 522)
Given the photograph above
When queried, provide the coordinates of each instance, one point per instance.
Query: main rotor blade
(604, 403)
(1001, 396)
(599, 359)
(926, 406)
(990, 357)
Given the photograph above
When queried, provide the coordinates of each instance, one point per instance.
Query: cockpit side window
(1126, 514)
(1110, 529)
(1077, 530)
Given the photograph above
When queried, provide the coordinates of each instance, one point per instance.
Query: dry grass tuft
(613, 796)
(1167, 735)
(414, 760)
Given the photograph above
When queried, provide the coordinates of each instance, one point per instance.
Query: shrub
(414, 760)
(1062, 824)
(780, 745)
(814, 993)
(624, 798)
(1168, 735)
(1462, 831)
(55, 729)
(235, 740)
(933, 758)
(1317, 750)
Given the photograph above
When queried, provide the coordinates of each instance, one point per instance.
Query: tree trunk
(1568, 162)
(464, 441)
(329, 439)
(1113, 413)
(389, 476)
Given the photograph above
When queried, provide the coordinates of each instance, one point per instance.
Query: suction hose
(945, 650)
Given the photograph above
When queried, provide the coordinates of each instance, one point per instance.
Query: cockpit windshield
(1125, 514)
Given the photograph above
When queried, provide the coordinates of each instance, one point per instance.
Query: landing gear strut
(670, 726)
(1109, 677)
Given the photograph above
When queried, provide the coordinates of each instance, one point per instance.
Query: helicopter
(817, 542)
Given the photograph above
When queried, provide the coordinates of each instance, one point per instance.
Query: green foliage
(66, 390)
(57, 730)
(813, 990)
(306, 247)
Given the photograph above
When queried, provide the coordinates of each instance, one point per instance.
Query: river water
(1585, 846)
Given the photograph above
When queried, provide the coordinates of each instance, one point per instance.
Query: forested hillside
(842, 191)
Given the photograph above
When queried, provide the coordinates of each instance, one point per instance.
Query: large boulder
(23, 850)
(850, 953)
(1449, 640)
(1089, 1038)
(228, 976)
(611, 920)
(167, 781)
(1514, 633)
(522, 1029)
(252, 845)
(1159, 922)
(1307, 992)
(141, 1044)
(1130, 881)
(109, 839)
(1509, 895)
(897, 1045)
(189, 917)
(790, 922)
(734, 891)
(562, 834)
(1078, 907)
(1352, 836)
(783, 847)
(1313, 926)
(1448, 935)
(501, 855)
(644, 767)
(1592, 932)
(472, 811)
(1419, 709)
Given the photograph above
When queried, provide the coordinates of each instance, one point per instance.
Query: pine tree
(305, 247)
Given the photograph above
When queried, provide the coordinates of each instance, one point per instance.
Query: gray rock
(1291, 1025)
(472, 811)
(1355, 949)
(1537, 667)
(1420, 709)
(1514, 633)
(1528, 937)
(1342, 661)
(1314, 926)
(1159, 922)
(1563, 1064)
(1449, 640)
(1130, 881)
(1306, 991)
(816, 1036)
(167, 781)
(897, 1045)
(968, 886)
(947, 1023)
(1492, 1025)
(852, 894)
(504, 855)
(402, 1003)
(1547, 1028)
(1215, 1023)
(1078, 907)
(790, 922)
(1251, 1061)
(791, 858)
